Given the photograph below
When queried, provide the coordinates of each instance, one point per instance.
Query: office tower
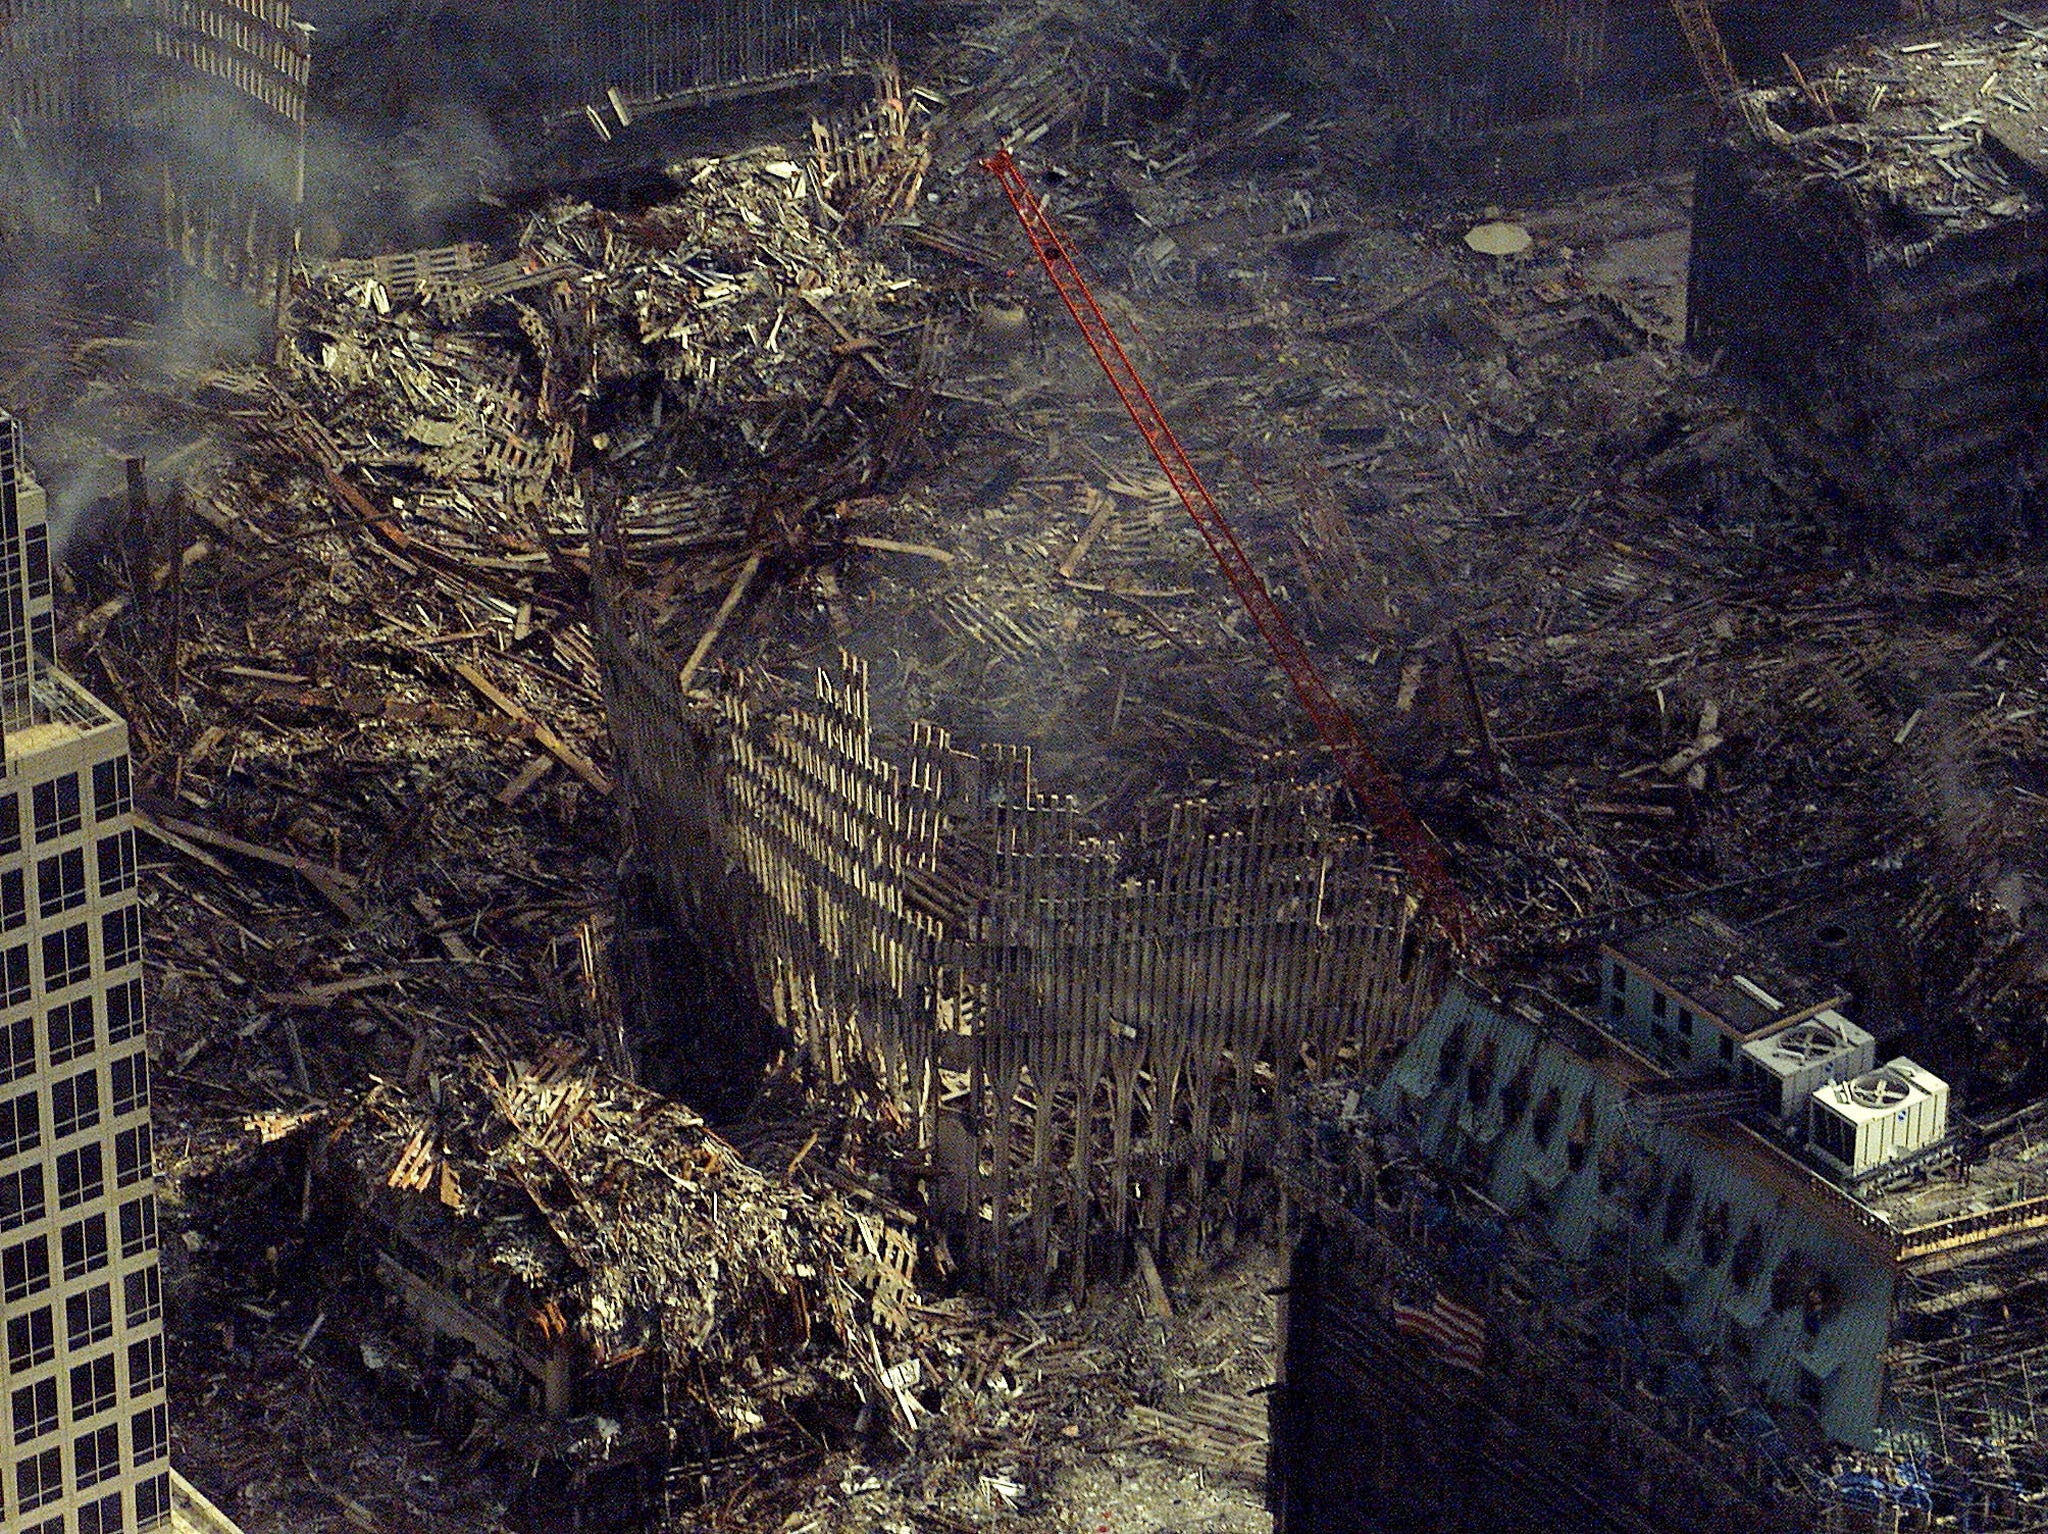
(86, 1445)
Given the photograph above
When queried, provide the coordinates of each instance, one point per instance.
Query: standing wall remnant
(1087, 1029)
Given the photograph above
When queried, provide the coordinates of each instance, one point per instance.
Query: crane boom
(1378, 794)
(1696, 20)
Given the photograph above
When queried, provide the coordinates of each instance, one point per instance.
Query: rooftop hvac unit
(1878, 1117)
(1791, 1064)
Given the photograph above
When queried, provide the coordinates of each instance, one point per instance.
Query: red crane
(1375, 789)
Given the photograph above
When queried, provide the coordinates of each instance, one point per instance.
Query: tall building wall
(84, 1447)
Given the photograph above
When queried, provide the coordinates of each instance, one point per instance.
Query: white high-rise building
(86, 1446)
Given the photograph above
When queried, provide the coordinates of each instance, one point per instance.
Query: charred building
(1872, 256)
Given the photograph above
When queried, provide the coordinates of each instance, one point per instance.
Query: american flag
(1457, 1332)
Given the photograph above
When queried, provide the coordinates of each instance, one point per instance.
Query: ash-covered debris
(595, 1249)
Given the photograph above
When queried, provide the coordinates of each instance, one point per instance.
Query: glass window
(92, 1387)
(35, 548)
(60, 882)
(17, 1048)
(153, 1502)
(25, 1268)
(130, 1078)
(145, 1365)
(14, 975)
(71, 1031)
(149, 1432)
(35, 1410)
(116, 858)
(39, 1478)
(101, 1517)
(67, 957)
(133, 1160)
(20, 1125)
(13, 898)
(81, 1175)
(121, 936)
(110, 791)
(138, 1226)
(89, 1317)
(142, 1296)
(124, 1011)
(75, 1104)
(32, 1340)
(96, 1456)
(56, 805)
(21, 1197)
(84, 1244)
(10, 823)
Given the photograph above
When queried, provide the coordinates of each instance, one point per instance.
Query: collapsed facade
(1873, 256)
(584, 1277)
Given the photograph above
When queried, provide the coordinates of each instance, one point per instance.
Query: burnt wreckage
(780, 516)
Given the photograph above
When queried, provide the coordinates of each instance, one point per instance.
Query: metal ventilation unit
(1789, 1066)
(1879, 1117)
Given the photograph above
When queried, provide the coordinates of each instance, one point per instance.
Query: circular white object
(1498, 239)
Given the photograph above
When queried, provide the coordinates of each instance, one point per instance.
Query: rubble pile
(589, 1215)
